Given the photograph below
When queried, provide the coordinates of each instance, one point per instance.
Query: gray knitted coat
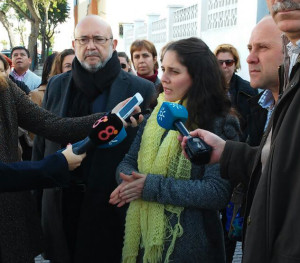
(20, 233)
(202, 197)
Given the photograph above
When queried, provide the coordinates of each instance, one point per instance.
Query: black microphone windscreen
(105, 129)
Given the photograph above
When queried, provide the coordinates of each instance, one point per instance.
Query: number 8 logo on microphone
(105, 134)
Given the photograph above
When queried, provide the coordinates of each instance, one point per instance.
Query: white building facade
(214, 21)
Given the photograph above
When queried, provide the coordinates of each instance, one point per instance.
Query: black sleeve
(237, 161)
(49, 172)
(20, 84)
(33, 118)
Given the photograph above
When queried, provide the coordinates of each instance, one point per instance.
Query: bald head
(93, 21)
(94, 43)
(265, 47)
(268, 27)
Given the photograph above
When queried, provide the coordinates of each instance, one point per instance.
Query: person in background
(239, 90)
(173, 213)
(125, 62)
(144, 58)
(37, 95)
(6, 66)
(78, 222)
(21, 62)
(62, 62)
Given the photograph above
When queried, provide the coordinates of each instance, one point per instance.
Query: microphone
(172, 116)
(118, 139)
(106, 132)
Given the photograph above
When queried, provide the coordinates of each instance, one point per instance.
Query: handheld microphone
(172, 116)
(103, 132)
(115, 141)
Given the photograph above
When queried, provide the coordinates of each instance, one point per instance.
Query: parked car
(6, 52)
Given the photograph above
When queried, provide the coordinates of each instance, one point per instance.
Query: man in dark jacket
(265, 56)
(79, 223)
(272, 169)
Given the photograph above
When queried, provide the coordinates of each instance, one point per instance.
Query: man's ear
(115, 43)
(29, 60)
(73, 44)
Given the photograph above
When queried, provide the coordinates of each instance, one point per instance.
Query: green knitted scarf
(147, 226)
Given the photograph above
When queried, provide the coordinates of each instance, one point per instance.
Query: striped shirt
(293, 52)
(17, 76)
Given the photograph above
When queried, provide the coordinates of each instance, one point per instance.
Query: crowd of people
(144, 200)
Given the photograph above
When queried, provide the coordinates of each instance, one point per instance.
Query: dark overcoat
(100, 230)
(272, 230)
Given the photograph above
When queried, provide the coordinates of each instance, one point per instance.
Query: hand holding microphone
(172, 116)
(217, 143)
(73, 159)
(106, 132)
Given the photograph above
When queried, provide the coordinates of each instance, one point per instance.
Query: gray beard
(100, 65)
(285, 6)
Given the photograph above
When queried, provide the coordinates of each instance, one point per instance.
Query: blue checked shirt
(267, 102)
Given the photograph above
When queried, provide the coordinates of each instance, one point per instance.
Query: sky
(63, 39)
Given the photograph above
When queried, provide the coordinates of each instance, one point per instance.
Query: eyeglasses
(123, 66)
(228, 62)
(98, 40)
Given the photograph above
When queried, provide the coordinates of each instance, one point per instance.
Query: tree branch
(33, 10)
(15, 6)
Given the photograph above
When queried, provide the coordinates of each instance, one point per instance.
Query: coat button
(248, 220)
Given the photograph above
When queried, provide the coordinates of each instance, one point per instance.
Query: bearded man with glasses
(79, 223)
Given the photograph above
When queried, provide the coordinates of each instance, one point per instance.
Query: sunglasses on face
(123, 66)
(228, 62)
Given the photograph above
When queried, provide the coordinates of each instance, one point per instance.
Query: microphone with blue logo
(172, 116)
(106, 132)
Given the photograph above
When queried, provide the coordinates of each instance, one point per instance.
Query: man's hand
(211, 139)
(134, 122)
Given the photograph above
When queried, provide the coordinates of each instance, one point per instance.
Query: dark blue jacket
(256, 121)
(20, 176)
